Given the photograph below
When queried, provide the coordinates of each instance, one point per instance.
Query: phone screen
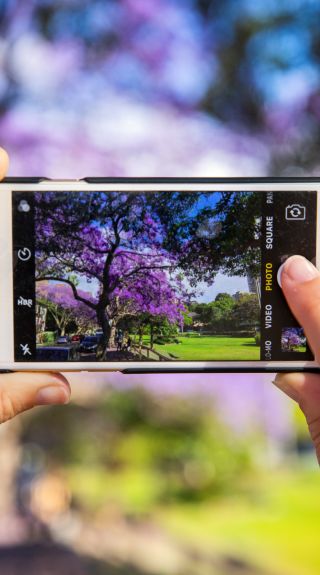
(157, 275)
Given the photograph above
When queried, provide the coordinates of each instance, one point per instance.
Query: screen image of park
(148, 276)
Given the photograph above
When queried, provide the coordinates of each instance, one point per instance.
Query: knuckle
(314, 430)
(7, 408)
(315, 434)
(316, 443)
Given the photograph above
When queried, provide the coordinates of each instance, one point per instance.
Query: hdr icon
(295, 212)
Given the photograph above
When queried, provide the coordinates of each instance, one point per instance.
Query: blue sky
(225, 284)
(222, 283)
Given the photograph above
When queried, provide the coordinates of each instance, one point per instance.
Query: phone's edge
(146, 371)
(224, 370)
(166, 179)
(195, 180)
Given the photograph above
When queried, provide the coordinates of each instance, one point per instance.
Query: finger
(300, 282)
(4, 163)
(22, 391)
(304, 388)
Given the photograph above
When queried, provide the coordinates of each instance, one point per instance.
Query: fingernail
(52, 395)
(298, 269)
(278, 379)
(281, 382)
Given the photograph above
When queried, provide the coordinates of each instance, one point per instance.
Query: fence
(148, 353)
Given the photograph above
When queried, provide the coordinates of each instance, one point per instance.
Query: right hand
(300, 282)
(23, 390)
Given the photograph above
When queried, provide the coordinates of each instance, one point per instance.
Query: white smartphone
(152, 275)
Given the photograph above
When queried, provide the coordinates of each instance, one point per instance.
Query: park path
(119, 550)
(114, 355)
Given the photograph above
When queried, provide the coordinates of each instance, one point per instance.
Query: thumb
(22, 391)
(4, 163)
(300, 282)
(304, 388)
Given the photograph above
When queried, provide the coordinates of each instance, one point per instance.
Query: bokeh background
(161, 475)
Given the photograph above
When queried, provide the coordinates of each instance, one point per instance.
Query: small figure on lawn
(128, 343)
(119, 340)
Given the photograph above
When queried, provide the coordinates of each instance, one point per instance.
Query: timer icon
(24, 254)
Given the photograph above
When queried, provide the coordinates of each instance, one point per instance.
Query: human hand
(21, 391)
(300, 282)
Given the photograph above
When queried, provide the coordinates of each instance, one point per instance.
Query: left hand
(21, 391)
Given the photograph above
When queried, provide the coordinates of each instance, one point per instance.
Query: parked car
(76, 338)
(99, 335)
(89, 344)
(57, 353)
(63, 340)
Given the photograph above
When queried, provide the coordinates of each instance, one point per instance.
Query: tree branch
(140, 268)
(73, 287)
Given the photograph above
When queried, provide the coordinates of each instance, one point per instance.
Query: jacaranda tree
(116, 242)
(63, 307)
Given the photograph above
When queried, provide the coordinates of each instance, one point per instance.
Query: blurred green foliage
(142, 450)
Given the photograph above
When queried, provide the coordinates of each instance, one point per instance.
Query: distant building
(254, 285)
(196, 323)
(237, 296)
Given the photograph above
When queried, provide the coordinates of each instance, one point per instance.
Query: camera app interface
(157, 276)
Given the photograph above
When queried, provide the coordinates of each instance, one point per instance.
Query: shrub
(49, 337)
(191, 334)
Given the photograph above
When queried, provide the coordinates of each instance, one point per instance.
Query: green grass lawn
(301, 348)
(212, 348)
(272, 523)
(277, 529)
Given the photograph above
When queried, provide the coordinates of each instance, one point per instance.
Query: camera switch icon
(295, 212)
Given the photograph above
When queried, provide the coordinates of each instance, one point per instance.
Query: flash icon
(24, 206)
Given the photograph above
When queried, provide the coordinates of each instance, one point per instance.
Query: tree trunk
(61, 325)
(140, 340)
(104, 324)
(151, 335)
(112, 335)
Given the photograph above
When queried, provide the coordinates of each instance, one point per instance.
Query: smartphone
(153, 274)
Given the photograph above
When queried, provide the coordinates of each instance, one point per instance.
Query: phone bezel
(32, 184)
